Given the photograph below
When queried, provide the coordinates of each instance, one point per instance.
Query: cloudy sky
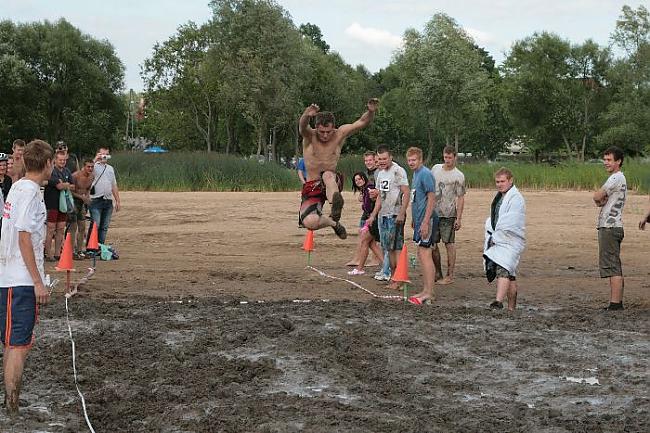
(363, 31)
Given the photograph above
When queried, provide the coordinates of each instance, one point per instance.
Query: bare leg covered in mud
(427, 294)
(506, 287)
(13, 364)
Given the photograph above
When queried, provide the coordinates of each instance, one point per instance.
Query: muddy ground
(202, 325)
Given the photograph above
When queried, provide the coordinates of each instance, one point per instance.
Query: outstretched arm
(363, 121)
(303, 124)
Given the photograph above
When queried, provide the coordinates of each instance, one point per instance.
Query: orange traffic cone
(308, 245)
(402, 270)
(65, 262)
(93, 239)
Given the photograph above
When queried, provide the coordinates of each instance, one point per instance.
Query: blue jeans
(101, 211)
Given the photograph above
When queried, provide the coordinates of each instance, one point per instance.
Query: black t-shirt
(5, 185)
(72, 163)
(51, 195)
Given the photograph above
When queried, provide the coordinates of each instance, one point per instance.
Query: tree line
(238, 83)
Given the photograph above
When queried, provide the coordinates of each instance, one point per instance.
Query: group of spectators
(437, 198)
(44, 193)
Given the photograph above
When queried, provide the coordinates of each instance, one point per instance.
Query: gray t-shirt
(611, 215)
(104, 181)
(389, 182)
(450, 184)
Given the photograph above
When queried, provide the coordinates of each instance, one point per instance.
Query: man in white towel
(505, 238)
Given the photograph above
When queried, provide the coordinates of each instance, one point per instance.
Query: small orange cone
(308, 245)
(93, 239)
(402, 270)
(65, 262)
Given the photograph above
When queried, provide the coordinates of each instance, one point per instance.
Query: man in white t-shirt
(22, 274)
(104, 194)
(390, 207)
(611, 200)
(450, 202)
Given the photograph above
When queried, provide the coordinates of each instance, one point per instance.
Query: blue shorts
(391, 234)
(433, 227)
(18, 316)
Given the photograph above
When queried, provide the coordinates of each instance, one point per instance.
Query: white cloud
(480, 37)
(371, 36)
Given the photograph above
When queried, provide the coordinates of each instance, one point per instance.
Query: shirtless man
(321, 151)
(18, 168)
(82, 179)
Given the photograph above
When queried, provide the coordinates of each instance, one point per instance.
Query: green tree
(555, 91)
(260, 47)
(628, 116)
(314, 34)
(58, 83)
(441, 70)
(181, 87)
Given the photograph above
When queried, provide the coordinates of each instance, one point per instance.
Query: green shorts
(503, 273)
(609, 251)
(445, 231)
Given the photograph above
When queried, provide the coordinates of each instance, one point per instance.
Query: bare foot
(394, 285)
(352, 263)
(446, 280)
(374, 264)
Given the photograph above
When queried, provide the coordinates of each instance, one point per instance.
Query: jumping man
(321, 151)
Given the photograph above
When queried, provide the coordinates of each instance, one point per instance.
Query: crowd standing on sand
(438, 201)
(44, 194)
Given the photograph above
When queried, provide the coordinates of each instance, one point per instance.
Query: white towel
(509, 235)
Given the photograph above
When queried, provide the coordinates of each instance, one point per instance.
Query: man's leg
(333, 195)
(316, 222)
(428, 271)
(13, 363)
(81, 235)
(58, 238)
(503, 284)
(512, 295)
(106, 214)
(49, 237)
(616, 285)
(451, 260)
(435, 255)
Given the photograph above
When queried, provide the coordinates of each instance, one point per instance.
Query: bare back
(319, 156)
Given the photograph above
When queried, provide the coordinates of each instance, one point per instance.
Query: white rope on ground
(74, 365)
(359, 286)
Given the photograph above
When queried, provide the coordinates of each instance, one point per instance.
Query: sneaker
(496, 305)
(356, 271)
(340, 230)
(337, 206)
(614, 307)
(380, 276)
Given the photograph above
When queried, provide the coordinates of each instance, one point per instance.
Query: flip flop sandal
(356, 271)
(417, 301)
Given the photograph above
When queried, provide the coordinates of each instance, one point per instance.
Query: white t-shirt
(104, 181)
(388, 182)
(611, 215)
(24, 211)
(450, 184)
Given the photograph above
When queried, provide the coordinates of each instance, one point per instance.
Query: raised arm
(363, 121)
(303, 124)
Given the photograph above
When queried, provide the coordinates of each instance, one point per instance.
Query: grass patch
(200, 171)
